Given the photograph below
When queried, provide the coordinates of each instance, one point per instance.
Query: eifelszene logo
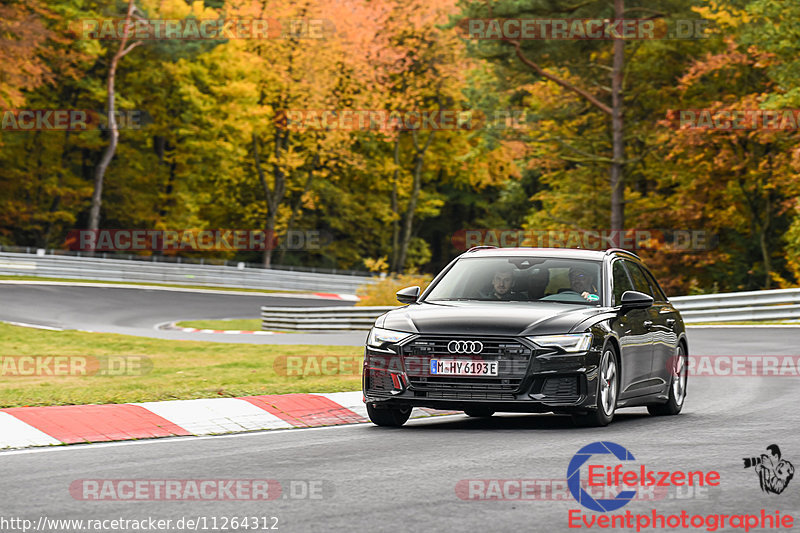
(774, 473)
(574, 477)
(607, 467)
(612, 478)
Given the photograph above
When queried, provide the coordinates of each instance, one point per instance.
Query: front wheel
(388, 417)
(607, 392)
(679, 367)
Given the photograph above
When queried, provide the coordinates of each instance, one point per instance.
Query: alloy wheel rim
(680, 376)
(608, 383)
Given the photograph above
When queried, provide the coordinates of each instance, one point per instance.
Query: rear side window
(659, 293)
(639, 280)
(621, 281)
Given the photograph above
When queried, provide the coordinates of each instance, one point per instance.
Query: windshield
(521, 279)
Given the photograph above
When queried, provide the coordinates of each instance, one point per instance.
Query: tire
(389, 417)
(607, 392)
(677, 386)
(478, 412)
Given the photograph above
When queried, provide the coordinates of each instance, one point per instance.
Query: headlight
(578, 342)
(379, 336)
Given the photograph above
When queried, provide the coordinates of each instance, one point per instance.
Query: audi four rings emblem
(465, 346)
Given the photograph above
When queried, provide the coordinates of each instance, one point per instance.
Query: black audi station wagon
(533, 330)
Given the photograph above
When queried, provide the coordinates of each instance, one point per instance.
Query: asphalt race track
(139, 312)
(378, 479)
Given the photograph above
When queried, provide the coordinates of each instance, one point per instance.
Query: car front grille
(512, 356)
(467, 395)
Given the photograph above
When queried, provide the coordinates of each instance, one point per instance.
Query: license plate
(452, 367)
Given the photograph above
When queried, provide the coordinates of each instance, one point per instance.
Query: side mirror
(635, 300)
(408, 295)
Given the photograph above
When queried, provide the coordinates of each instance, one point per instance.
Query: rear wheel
(388, 417)
(679, 367)
(607, 392)
(478, 412)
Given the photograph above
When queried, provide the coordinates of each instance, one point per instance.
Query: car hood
(489, 318)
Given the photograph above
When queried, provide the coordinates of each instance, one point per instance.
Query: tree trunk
(108, 154)
(297, 205)
(161, 146)
(273, 197)
(762, 240)
(419, 160)
(395, 209)
(57, 200)
(617, 129)
(615, 111)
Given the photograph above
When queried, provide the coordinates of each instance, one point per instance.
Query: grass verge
(180, 369)
(246, 324)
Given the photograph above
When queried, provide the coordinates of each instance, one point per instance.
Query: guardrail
(241, 276)
(321, 318)
(778, 304)
(782, 304)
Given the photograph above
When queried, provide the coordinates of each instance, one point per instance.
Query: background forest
(214, 152)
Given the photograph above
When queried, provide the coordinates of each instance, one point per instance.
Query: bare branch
(560, 81)
(129, 48)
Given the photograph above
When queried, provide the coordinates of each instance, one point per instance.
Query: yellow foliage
(723, 15)
(383, 292)
(377, 265)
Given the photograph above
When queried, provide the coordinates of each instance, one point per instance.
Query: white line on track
(27, 325)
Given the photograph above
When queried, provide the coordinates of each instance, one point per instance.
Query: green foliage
(214, 154)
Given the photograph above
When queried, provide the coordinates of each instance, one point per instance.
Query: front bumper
(530, 379)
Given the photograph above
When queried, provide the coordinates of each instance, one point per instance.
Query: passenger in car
(581, 282)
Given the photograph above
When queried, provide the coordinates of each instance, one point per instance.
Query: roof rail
(483, 247)
(622, 250)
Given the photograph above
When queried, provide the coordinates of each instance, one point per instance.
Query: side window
(659, 293)
(639, 279)
(621, 281)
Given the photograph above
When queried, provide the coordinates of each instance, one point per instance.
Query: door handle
(648, 324)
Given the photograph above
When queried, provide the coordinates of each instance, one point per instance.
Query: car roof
(569, 253)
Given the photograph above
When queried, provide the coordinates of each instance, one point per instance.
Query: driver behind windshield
(502, 281)
(581, 282)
